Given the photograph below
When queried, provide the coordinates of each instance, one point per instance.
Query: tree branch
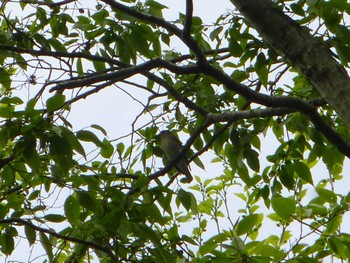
(183, 151)
(51, 5)
(59, 54)
(309, 54)
(281, 102)
(190, 42)
(94, 245)
(123, 73)
(186, 33)
(229, 118)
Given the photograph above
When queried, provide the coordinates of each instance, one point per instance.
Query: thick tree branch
(249, 94)
(309, 54)
(206, 68)
(264, 11)
(258, 113)
(282, 102)
(123, 73)
(186, 33)
(229, 117)
(96, 77)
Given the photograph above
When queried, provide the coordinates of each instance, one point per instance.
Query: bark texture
(309, 54)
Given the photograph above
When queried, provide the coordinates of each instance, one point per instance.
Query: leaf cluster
(276, 148)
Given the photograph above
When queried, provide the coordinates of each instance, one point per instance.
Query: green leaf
(30, 105)
(343, 51)
(235, 48)
(89, 136)
(100, 16)
(3, 210)
(269, 251)
(141, 182)
(139, 41)
(99, 65)
(107, 149)
(187, 199)
(284, 207)
(147, 233)
(45, 242)
(155, 8)
(286, 176)
(213, 242)
(100, 128)
(189, 240)
(8, 243)
(30, 154)
(23, 5)
(261, 68)
(342, 5)
(56, 218)
(80, 69)
(6, 111)
(153, 214)
(120, 148)
(55, 102)
(11, 100)
(247, 223)
(7, 176)
(317, 208)
(83, 23)
(243, 173)
(333, 225)
(239, 75)
(237, 243)
(57, 45)
(216, 32)
(165, 39)
(42, 41)
(297, 9)
(157, 48)
(61, 152)
(87, 200)
(252, 158)
(343, 34)
(303, 171)
(73, 141)
(265, 192)
(72, 210)
(30, 234)
(199, 163)
(326, 195)
(338, 247)
(5, 78)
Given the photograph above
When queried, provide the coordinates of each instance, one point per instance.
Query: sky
(111, 107)
(118, 118)
(115, 110)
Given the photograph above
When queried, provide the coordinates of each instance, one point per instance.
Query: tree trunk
(308, 53)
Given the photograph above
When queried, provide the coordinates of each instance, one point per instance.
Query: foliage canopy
(263, 75)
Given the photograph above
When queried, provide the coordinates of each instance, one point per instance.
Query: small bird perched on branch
(171, 146)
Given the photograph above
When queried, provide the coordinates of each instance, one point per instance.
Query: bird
(171, 146)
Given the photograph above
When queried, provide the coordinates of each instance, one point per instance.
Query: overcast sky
(114, 110)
